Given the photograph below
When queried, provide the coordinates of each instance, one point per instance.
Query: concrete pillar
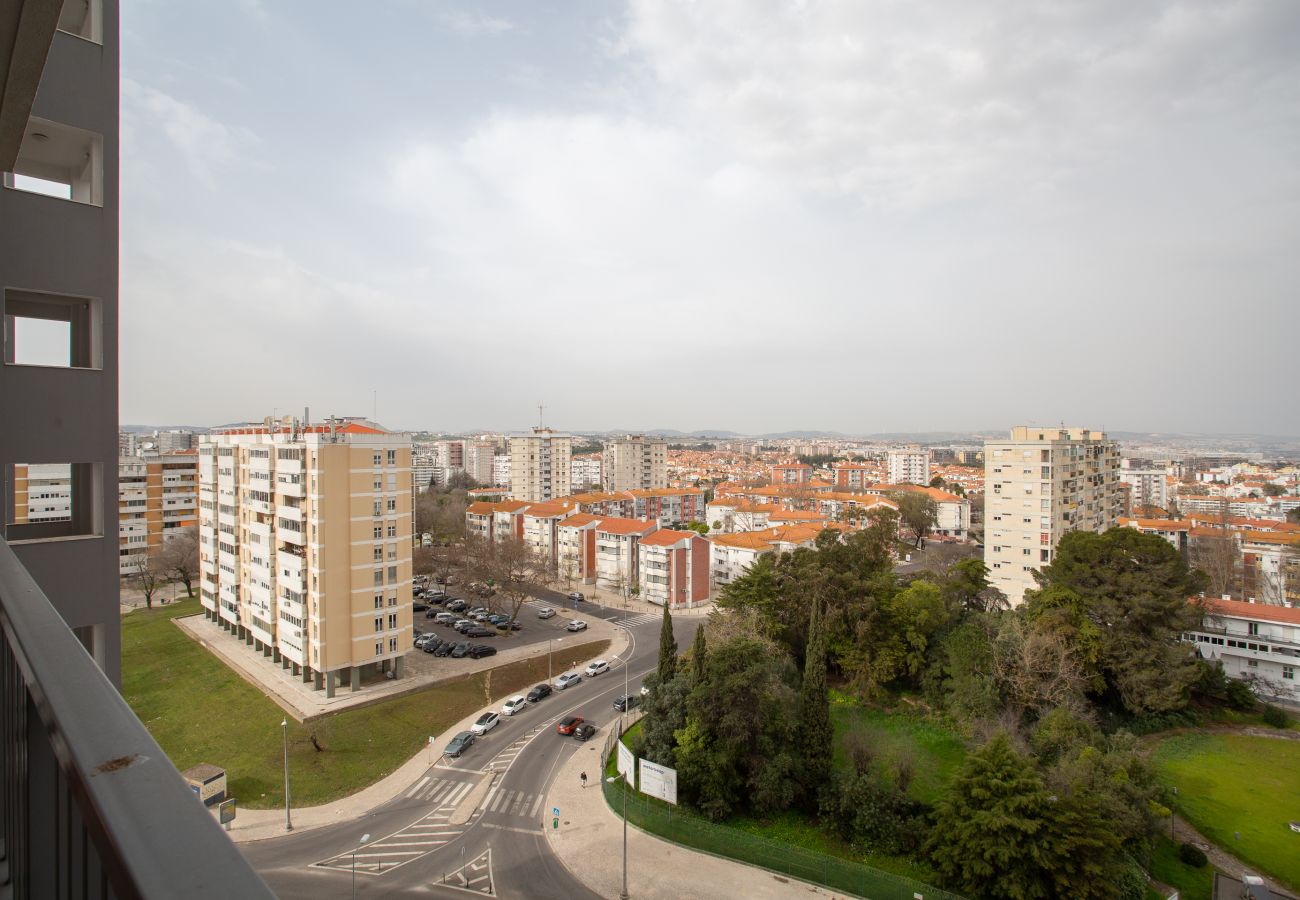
(295, 669)
(306, 674)
(320, 681)
(356, 678)
(266, 649)
(397, 667)
(330, 678)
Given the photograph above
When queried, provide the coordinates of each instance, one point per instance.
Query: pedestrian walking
(584, 779)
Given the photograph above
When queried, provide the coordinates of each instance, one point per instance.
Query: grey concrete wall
(70, 415)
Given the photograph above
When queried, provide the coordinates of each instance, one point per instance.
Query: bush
(1240, 696)
(1192, 855)
(1276, 716)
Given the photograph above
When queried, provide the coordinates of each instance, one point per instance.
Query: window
(392, 645)
(59, 161)
(392, 505)
(379, 507)
(379, 623)
(392, 530)
(379, 553)
(379, 459)
(47, 501)
(379, 648)
(1288, 672)
(392, 620)
(379, 577)
(1027, 552)
(379, 484)
(392, 457)
(379, 532)
(1252, 663)
(379, 601)
(392, 573)
(56, 330)
(1252, 629)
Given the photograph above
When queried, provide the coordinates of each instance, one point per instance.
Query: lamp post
(364, 838)
(288, 820)
(611, 780)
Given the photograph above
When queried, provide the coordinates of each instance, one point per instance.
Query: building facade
(1040, 485)
(1147, 488)
(305, 545)
(1255, 642)
(636, 462)
(157, 496)
(909, 465)
(540, 465)
(480, 456)
(674, 568)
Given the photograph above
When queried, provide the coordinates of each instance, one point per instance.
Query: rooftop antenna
(540, 421)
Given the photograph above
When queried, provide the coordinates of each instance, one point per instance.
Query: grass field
(200, 711)
(934, 752)
(1235, 783)
(1192, 884)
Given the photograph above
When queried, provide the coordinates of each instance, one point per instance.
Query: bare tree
(918, 512)
(179, 558)
(147, 577)
(509, 567)
(1218, 556)
(1036, 668)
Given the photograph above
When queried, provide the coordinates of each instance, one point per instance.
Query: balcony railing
(90, 806)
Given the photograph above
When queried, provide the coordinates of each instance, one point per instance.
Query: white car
(576, 625)
(513, 705)
(596, 668)
(566, 680)
(485, 723)
(545, 613)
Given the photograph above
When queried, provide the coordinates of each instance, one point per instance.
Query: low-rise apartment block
(668, 506)
(732, 555)
(792, 473)
(1148, 488)
(674, 568)
(1175, 531)
(618, 558)
(1256, 642)
(855, 476)
(305, 544)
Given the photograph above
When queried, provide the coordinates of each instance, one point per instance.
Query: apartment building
(732, 555)
(42, 493)
(508, 519)
(305, 544)
(1041, 484)
(636, 462)
(540, 533)
(669, 505)
(604, 503)
(791, 473)
(674, 568)
(1147, 488)
(952, 513)
(731, 515)
(157, 496)
(575, 539)
(618, 558)
(480, 457)
(1175, 531)
(588, 470)
(1256, 642)
(423, 468)
(855, 476)
(541, 465)
(908, 465)
(501, 470)
(1270, 565)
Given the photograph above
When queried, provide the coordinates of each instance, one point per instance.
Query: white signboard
(658, 781)
(627, 763)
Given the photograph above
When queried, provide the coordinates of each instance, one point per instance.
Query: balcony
(87, 795)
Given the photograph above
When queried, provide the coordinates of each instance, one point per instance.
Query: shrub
(1192, 855)
(1240, 696)
(1276, 716)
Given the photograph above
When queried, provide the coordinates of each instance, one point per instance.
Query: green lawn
(1229, 783)
(1192, 884)
(934, 752)
(200, 711)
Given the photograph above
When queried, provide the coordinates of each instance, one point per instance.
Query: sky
(858, 216)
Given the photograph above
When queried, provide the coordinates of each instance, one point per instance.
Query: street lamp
(364, 838)
(611, 780)
(288, 820)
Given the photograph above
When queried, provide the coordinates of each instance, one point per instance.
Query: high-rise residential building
(157, 496)
(636, 462)
(305, 544)
(174, 439)
(909, 465)
(1147, 488)
(42, 493)
(422, 469)
(587, 472)
(540, 464)
(1040, 485)
(479, 458)
(501, 469)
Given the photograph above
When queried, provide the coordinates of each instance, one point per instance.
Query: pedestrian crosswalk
(502, 760)
(506, 802)
(634, 621)
(415, 840)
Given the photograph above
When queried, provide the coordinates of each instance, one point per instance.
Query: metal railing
(90, 806)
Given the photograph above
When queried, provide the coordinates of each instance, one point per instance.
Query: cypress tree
(667, 649)
(698, 653)
(815, 729)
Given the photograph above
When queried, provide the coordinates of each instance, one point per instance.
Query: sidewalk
(589, 842)
(260, 824)
(630, 606)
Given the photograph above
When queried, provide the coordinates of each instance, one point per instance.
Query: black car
(623, 704)
(584, 732)
(444, 649)
(480, 632)
(509, 626)
(460, 651)
(537, 693)
(420, 607)
(481, 650)
(430, 614)
(433, 645)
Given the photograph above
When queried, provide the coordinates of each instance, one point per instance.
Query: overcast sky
(857, 216)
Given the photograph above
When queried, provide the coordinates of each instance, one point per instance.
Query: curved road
(414, 850)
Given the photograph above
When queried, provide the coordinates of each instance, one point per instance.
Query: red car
(568, 723)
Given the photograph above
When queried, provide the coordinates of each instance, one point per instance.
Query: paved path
(1221, 859)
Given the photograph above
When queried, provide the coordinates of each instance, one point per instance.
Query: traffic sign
(555, 811)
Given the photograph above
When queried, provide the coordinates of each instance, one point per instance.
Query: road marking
(514, 828)
(454, 769)
(474, 877)
(537, 807)
(418, 786)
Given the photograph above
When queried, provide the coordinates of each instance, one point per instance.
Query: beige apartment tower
(540, 465)
(305, 544)
(1039, 485)
(636, 463)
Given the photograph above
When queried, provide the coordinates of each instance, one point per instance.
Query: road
(502, 850)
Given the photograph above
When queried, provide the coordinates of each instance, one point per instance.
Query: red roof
(1265, 612)
(666, 537)
(615, 525)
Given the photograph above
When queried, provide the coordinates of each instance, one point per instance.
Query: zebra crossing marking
(475, 876)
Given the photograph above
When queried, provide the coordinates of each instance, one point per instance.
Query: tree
(1294, 516)
(147, 577)
(918, 512)
(816, 734)
(1273, 490)
(938, 482)
(179, 557)
(510, 567)
(699, 652)
(1218, 555)
(667, 649)
(966, 587)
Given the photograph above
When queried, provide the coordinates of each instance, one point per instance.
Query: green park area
(200, 711)
(1239, 784)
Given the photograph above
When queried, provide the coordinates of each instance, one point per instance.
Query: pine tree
(698, 654)
(815, 730)
(667, 649)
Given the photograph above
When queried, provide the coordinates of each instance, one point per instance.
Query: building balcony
(290, 488)
(68, 734)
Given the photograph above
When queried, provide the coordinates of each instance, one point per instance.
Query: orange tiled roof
(1266, 612)
(1156, 524)
(615, 525)
(579, 519)
(666, 537)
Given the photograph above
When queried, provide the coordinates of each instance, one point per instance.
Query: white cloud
(474, 23)
(208, 147)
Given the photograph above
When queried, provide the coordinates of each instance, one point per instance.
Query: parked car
(463, 624)
(419, 607)
(459, 744)
(567, 679)
(545, 613)
(596, 668)
(456, 605)
(460, 651)
(421, 640)
(514, 705)
(576, 625)
(584, 731)
(444, 649)
(577, 596)
(509, 625)
(433, 645)
(540, 692)
(623, 704)
(498, 618)
(444, 618)
(478, 651)
(485, 723)
(480, 632)
(568, 724)
(436, 599)
(481, 617)
(480, 609)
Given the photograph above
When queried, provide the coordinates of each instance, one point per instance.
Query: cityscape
(330, 565)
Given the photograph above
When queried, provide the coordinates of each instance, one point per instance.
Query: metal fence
(90, 806)
(670, 823)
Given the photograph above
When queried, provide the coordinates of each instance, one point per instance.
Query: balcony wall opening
(59, 161)
(43, 329)
(83, 19)
(52, 501)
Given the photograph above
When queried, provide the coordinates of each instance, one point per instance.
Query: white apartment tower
(540, 465)
(909, 465)
(1147, 487)
(305, 544)
(1040, 485)
(636, 463)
